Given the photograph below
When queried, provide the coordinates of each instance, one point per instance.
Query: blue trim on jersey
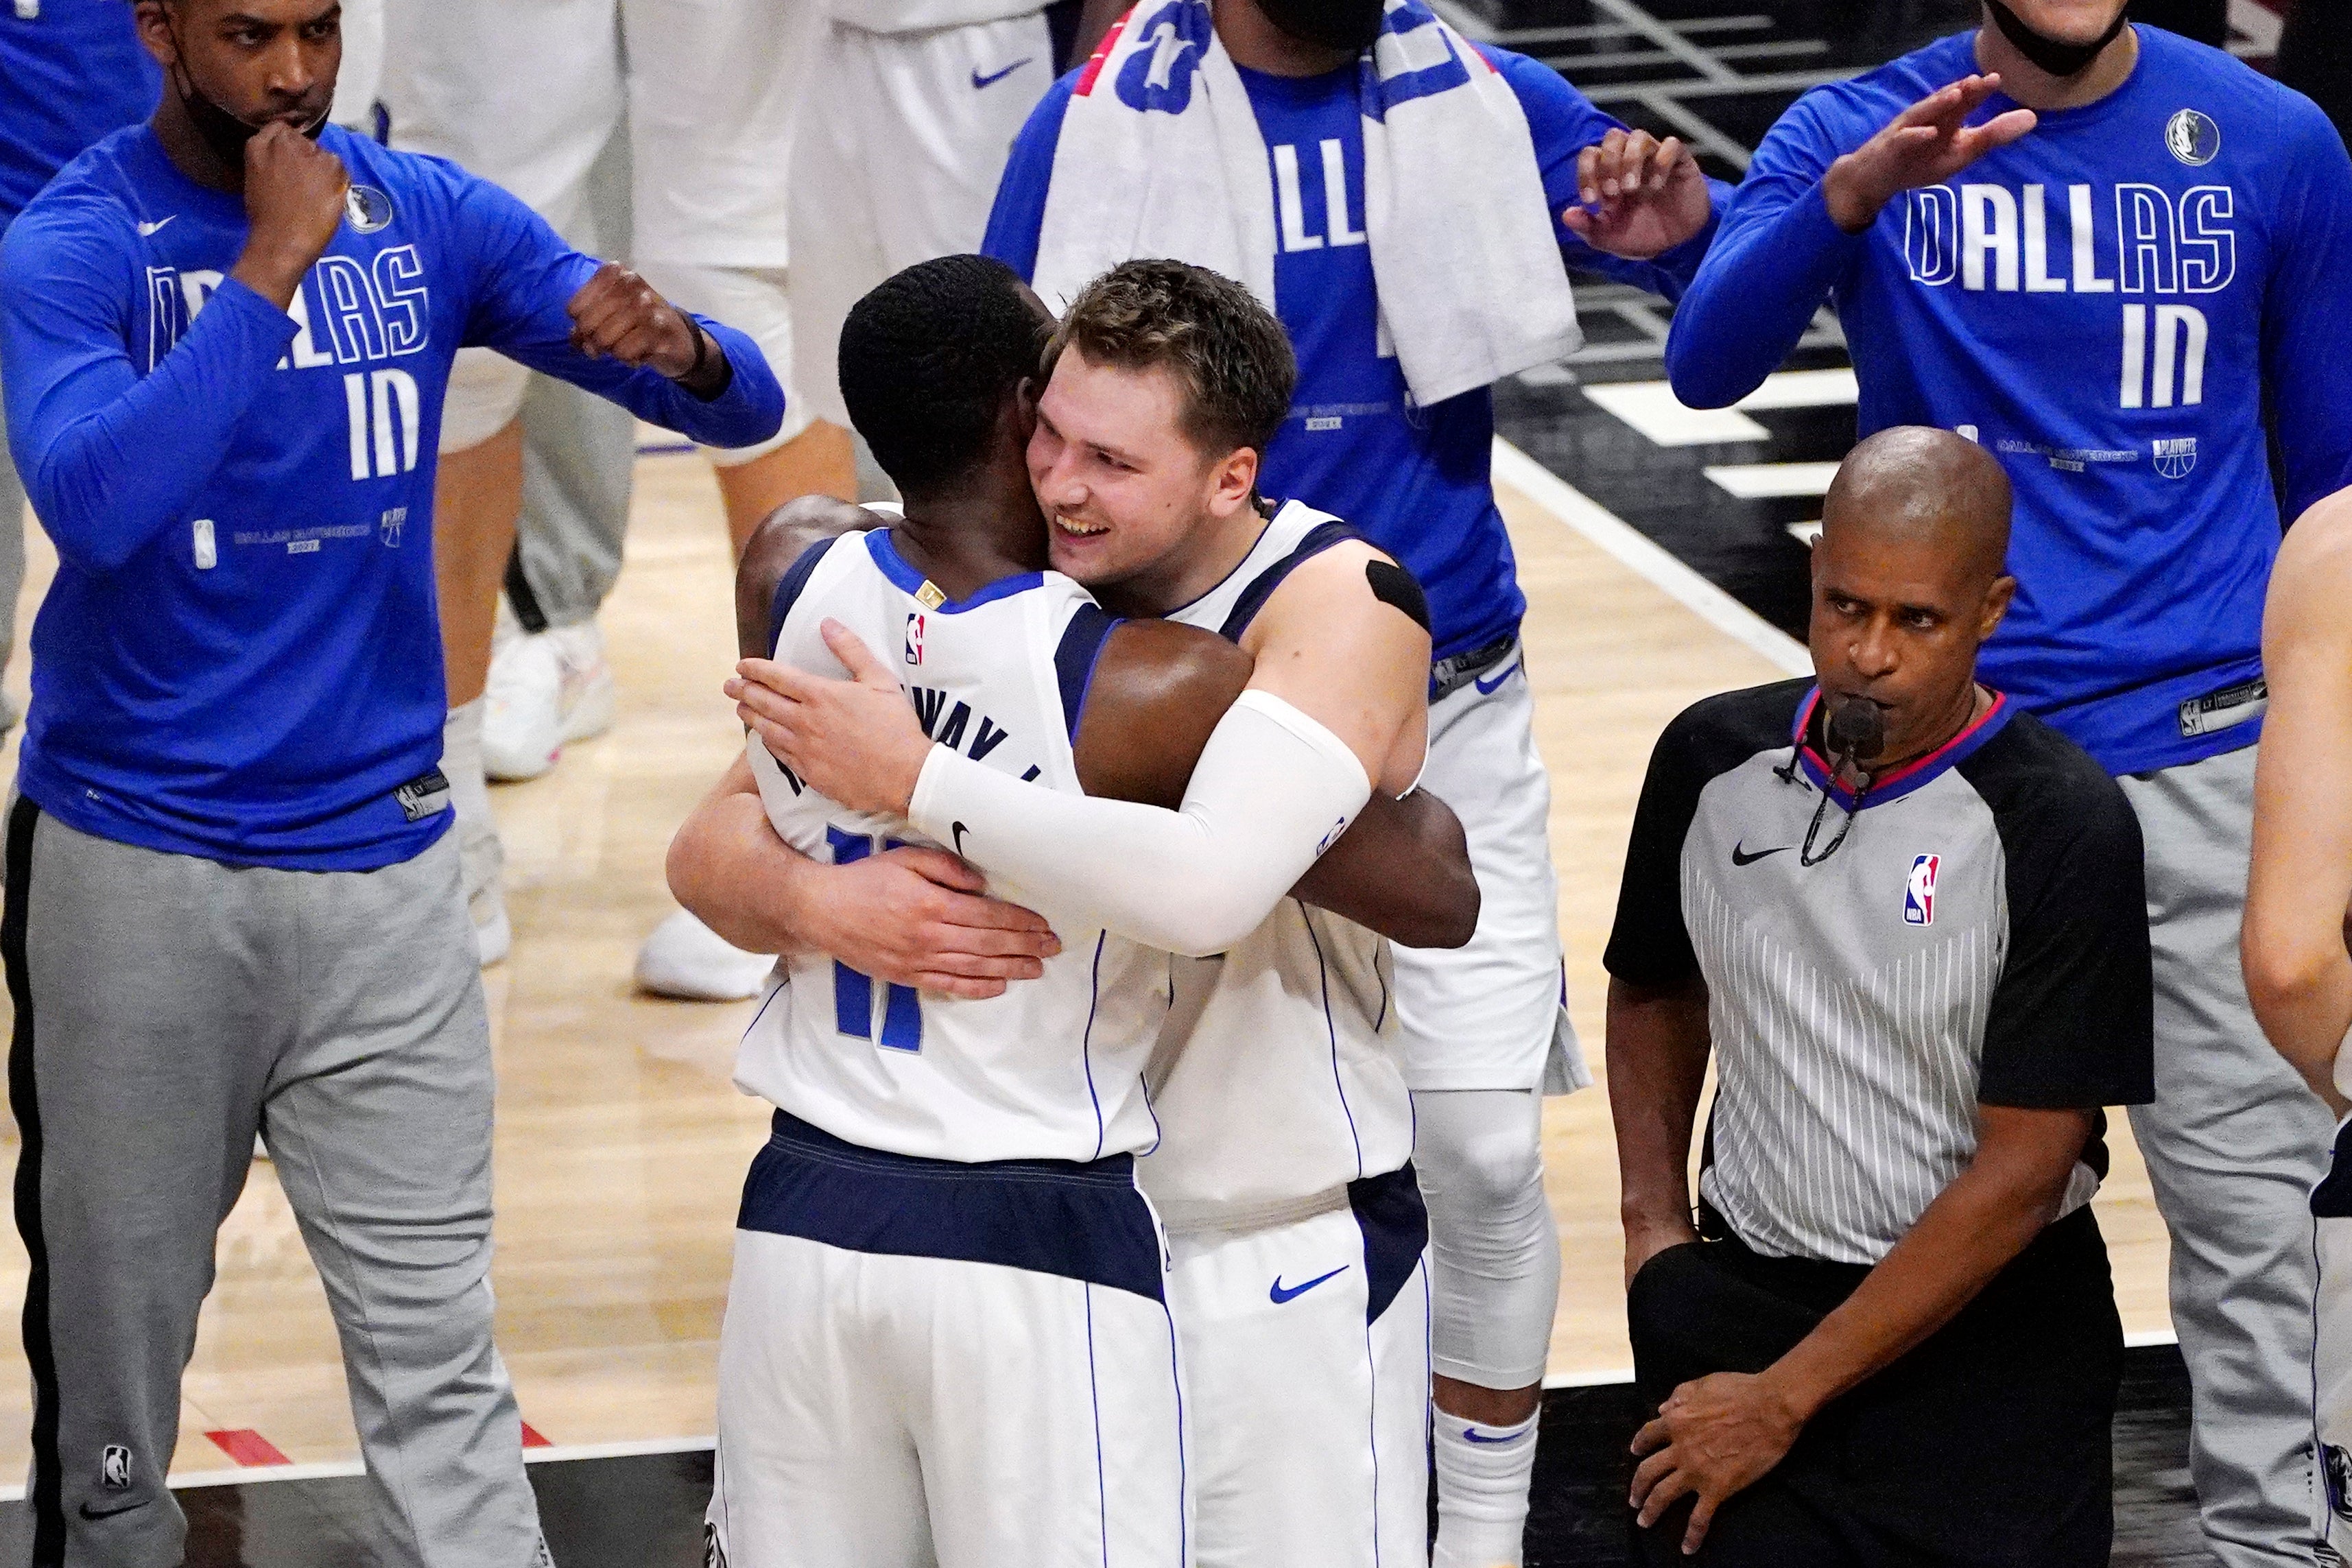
(1087, 1041)
(1077, 1221)
(1083, 641)
(894, 567)
(1319, 538)
(1395, 1223)
(789, 587)
(1183, 1460)
(1094, 1402)
(1332, 1031)
(1913, 774)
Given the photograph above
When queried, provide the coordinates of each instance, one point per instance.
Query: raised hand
(295, 191)
(619, 315)
(1641, 197)
(1925, 145)
(855, 741)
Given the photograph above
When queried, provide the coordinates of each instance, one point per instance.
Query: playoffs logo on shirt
(1919, 891)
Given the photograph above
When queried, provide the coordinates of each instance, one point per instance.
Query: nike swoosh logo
(146, 230)
(957, 830)
(1740, 858)
(1486, 688)
(90, 1512)
(979, 81)
(1470, 1433)
(1278, 1295)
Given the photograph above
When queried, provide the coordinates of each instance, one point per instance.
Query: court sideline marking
(1631, 549)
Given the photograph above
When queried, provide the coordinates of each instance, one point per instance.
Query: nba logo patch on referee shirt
(1919, 891)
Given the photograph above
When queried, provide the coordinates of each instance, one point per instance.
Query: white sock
(479, 852)
(1482, 1492)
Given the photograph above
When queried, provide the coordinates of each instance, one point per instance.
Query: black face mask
(222, 132)
(1350, 25)
(2060, 59)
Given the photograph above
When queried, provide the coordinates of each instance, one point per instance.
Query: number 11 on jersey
(852, 993)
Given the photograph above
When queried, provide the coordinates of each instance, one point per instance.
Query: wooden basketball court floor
(622, 1142)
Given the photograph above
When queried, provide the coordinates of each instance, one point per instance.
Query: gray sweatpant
(12, 523)
(167, 1007)
(2233, 1142)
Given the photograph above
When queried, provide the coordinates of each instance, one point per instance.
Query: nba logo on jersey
(114, 1467)
(1919, 891)
(914, 639)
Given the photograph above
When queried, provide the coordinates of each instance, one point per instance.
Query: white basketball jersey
(1279, 1077)
(1053, 1069)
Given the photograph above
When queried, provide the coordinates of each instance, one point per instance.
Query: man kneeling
(1909, 920)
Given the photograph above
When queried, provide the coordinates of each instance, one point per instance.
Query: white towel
(1161, 155)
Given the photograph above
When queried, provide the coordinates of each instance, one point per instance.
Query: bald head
(1924, 487)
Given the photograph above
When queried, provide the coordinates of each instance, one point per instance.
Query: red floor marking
(247, 1446)
(531, 1439)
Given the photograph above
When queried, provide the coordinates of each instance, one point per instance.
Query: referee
(2108, 261)
(232, 903)
(1905, 918)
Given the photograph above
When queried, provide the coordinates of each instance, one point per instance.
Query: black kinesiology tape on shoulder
(1392, 584)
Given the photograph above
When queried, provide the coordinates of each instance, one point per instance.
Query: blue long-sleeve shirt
(75, 71)
(240, 657)
(2104, 305)
(1417, 480)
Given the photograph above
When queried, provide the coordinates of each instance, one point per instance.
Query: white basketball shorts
(896, 161)
(2331, 1370)
(1307, 1374)
(1494, 1013)
(925, 1362)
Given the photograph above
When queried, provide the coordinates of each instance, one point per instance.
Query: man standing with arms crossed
(2099, 260)
(231, 905)
(1404, 202)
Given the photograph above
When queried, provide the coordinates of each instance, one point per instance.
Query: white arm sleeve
(1273, 790)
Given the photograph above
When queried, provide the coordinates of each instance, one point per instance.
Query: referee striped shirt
(1980, 938)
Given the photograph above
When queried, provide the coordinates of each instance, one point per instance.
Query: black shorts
(1989, 1445)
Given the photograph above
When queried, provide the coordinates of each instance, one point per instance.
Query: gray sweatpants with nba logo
(167, 1009)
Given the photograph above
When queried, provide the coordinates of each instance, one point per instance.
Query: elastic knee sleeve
(485, 396)
(752, 300)
(1494, 1246)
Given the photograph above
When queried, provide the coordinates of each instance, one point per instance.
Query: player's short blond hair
(1227, 351)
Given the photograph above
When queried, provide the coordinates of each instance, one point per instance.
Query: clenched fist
(294, 194)
(620, 315)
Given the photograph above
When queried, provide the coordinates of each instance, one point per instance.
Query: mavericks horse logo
(2192, 138)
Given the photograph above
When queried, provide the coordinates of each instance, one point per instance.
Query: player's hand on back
(920, 917)
(619, 315)
(295, 191)
(855, 741)
(1641, 197)
(1927, 144)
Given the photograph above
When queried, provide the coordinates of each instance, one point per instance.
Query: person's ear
(155, 32)
(1233, 482)
(1996, 606)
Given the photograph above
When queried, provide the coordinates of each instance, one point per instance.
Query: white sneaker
(687, 960)
(545, 689)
